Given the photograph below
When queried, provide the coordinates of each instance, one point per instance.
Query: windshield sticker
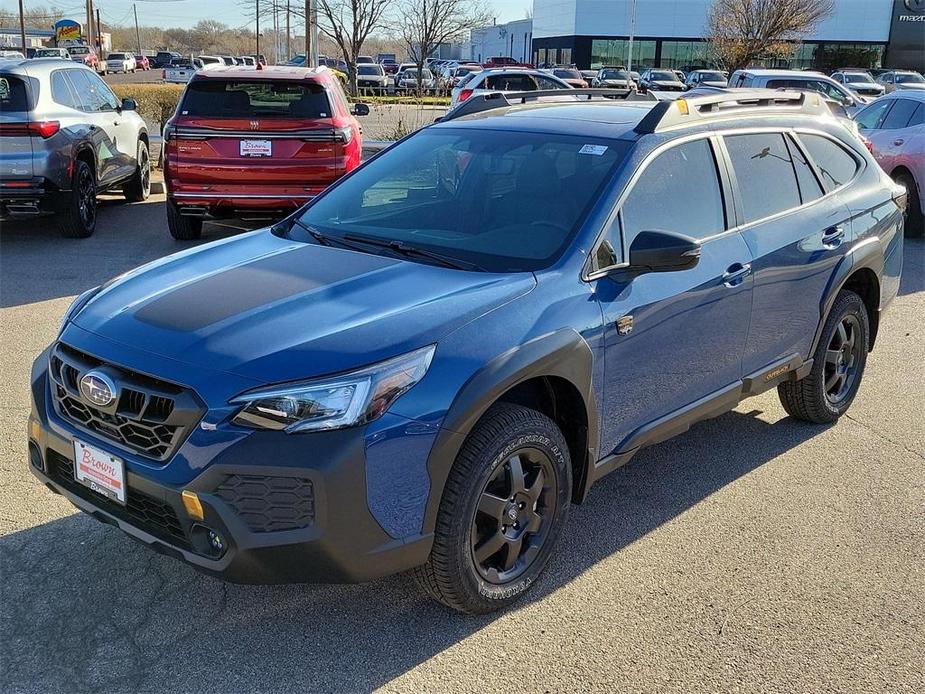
(596, 150)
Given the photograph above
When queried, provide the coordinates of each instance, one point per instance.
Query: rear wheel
(915, 223)
(182, 228)
(78, 218)
(838, 365)
(139, 186)
(504, 505)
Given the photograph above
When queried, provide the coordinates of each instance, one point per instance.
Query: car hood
(911, 85)
(714, 83)
(272, 309)
(667, 84)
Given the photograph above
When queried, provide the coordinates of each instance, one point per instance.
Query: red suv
(246, 142)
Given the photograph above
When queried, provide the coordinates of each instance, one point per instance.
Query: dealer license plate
(256, 148)
(100, 471)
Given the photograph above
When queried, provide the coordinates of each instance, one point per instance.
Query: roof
(771, 72)
(271, 72)
(38, 66)
(914, 94)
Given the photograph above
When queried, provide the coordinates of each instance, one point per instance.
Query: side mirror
(360, 110)
(663, 251)
(129, 104)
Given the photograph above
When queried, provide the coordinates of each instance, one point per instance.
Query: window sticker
(596, 150)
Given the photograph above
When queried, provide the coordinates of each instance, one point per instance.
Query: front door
(673, 339)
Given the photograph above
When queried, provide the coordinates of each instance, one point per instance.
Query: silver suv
(65, 138)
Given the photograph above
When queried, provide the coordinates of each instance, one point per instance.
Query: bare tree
(348, 23)
(742, 31)
(425, 24)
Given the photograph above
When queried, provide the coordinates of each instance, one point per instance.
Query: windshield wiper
(325, 239)
(405, 249)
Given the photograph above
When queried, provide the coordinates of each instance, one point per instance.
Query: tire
(827, 392)
(483, 513)
(78, 218)
(138, 187)
(915, 222)
(182, 228)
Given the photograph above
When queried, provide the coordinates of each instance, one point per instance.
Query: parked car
(456, 74)
(571, 76)
(248, 60)
(119, 62)
(407, 81)
(505, 80)
(612, 78)
(588, 75)
(503, 61)
(796, 79)
(705, 78)
(180, 71)
(374, 385)
(390, 66)
(66, 138)
(372, 78)
(85, 56)
(164, 58)
(859, 82)
(901, 79)
(202, 60)
(894, 127)
(227, 60)
(11, 55)
(142, 62)
(297, 60)
(660, 80)
(52, 52)
(365, 60)
(262, 143)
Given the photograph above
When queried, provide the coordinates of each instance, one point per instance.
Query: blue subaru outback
(424, 367)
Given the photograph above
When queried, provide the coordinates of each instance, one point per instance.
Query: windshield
(78, 50)
(412, 74)
(712, 77)
(502, 200)
(567, 74)
(369, 70)
(116, 56)
(48, 53)
(613, 75)
(910, 79)
(856, 77)
(662, 75)
(253, 98)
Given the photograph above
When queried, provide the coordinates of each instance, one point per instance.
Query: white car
(407, 81)
(52, 53)
(119, 62)
(767, 78)
(504, 80)
(12, 55)
(860, 82)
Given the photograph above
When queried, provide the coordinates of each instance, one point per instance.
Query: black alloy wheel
(842, 359)
(513, 516)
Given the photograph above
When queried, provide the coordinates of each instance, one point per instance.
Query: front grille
(267, 504)
(149, 416)
(141, 510)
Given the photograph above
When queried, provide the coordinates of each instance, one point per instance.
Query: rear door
(259, 133)
(797, 234)
(16, 102)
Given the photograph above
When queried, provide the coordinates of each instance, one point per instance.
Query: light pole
(629, 59)
(22, 30)
(257, 33)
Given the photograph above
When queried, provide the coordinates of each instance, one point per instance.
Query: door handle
(898, 141)
(832, 237)
(736, 274)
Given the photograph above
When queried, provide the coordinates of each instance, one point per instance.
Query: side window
(61, 90)
(918, 118)
(654, 204)
(835, 165)
(764, 173)
(546, 83)
(511, 83)
(105, 93)
(91, 97)
(869, 118)
(899, 115)
(809, 185)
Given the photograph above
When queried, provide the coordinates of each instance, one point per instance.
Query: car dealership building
(670, 33)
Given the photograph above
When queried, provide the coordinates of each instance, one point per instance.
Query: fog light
(192, 505)
(35, 457)
(216, 541)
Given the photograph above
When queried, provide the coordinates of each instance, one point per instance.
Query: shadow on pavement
(39, 264)
(913, 279)
(85, 608)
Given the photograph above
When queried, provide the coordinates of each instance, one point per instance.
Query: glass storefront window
(687, 55)
(616, 52)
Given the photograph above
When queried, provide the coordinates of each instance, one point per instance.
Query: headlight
(76, 305)
(336, 402)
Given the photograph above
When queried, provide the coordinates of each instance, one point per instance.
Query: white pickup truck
(178, 72)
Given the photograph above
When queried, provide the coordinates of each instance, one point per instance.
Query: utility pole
(308, 34)
(288, 35)
(88, 36)
(258, 32)
(22, 29)
(629, 60)
(99, 34)
(137, 35)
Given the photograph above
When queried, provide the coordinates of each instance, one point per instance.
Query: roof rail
(493, 100)
(738, 102)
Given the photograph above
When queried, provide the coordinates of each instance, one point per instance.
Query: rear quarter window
(13, 94)
(764, 173)
(835, 165)
(900, 114)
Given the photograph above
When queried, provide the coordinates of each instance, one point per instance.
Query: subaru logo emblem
(97, 388)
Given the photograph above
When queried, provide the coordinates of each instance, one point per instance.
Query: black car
(660, 81)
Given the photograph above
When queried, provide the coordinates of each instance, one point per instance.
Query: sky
(185, 13)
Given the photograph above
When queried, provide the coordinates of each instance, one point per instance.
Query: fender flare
(563, 353)
(867, 253)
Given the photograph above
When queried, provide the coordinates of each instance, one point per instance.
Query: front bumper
(242, 498)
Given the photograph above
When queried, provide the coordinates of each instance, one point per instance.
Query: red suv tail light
(464, 94)
(43, 129)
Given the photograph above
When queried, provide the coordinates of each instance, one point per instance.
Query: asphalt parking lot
(754, 553)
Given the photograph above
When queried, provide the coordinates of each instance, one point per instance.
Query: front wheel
(504, 505)
(827, 392)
